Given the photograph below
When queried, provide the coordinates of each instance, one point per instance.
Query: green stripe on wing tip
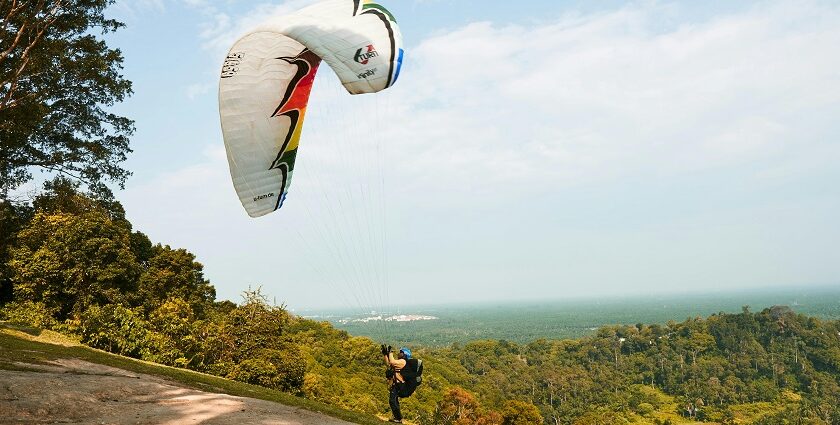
(380, 8)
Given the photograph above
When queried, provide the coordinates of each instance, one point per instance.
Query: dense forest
(71, 261)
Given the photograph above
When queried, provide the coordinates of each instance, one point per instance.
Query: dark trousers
(394, 401)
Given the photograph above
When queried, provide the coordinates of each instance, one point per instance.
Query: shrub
(255, 371)
(116, 329)
(645, 409)
(28, 313)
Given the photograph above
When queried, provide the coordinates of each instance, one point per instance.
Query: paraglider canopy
(267, 77)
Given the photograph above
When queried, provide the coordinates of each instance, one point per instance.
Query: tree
(63, 195)
(458, 406)
(699, 342)
(518, 412)
(250, 346)
(70, 262)
(57, 76)
(256, 325)
(172, 337)
(173, 273)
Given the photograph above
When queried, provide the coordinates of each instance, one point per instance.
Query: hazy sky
(530, 149)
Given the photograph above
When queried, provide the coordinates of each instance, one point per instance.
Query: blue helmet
(406, 352)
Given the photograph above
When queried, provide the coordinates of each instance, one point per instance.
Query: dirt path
(70, 391)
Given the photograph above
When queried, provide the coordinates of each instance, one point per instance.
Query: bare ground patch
(73, 391)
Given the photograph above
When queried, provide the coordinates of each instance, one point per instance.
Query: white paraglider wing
(267, 78)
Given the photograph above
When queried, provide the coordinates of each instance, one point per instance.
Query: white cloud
(227, 25)
(610, 94)
(132, 7)
(198, 89)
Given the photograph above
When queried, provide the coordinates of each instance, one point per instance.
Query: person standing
(397, 387)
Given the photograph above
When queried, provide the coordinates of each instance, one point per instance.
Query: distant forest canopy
(71, 261)
(525, 321)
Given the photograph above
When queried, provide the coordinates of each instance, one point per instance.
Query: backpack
(412, 373)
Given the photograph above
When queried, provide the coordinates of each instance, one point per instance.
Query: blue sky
(540, 149)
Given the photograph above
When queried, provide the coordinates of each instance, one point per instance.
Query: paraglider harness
(412, 375)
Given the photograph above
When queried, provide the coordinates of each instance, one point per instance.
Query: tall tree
(57, 78)
(458, 406)
(71, 262)
(174, 273)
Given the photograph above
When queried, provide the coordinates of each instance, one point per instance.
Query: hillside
(46, 377)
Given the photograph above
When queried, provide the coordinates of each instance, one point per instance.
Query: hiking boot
(396, 421)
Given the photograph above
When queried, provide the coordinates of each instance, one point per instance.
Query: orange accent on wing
(300, 95)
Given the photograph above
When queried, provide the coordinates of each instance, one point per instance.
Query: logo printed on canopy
(364, 55)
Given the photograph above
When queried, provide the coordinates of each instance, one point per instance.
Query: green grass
(33, 346)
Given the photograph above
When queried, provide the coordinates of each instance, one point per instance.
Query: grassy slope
(26, 345)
